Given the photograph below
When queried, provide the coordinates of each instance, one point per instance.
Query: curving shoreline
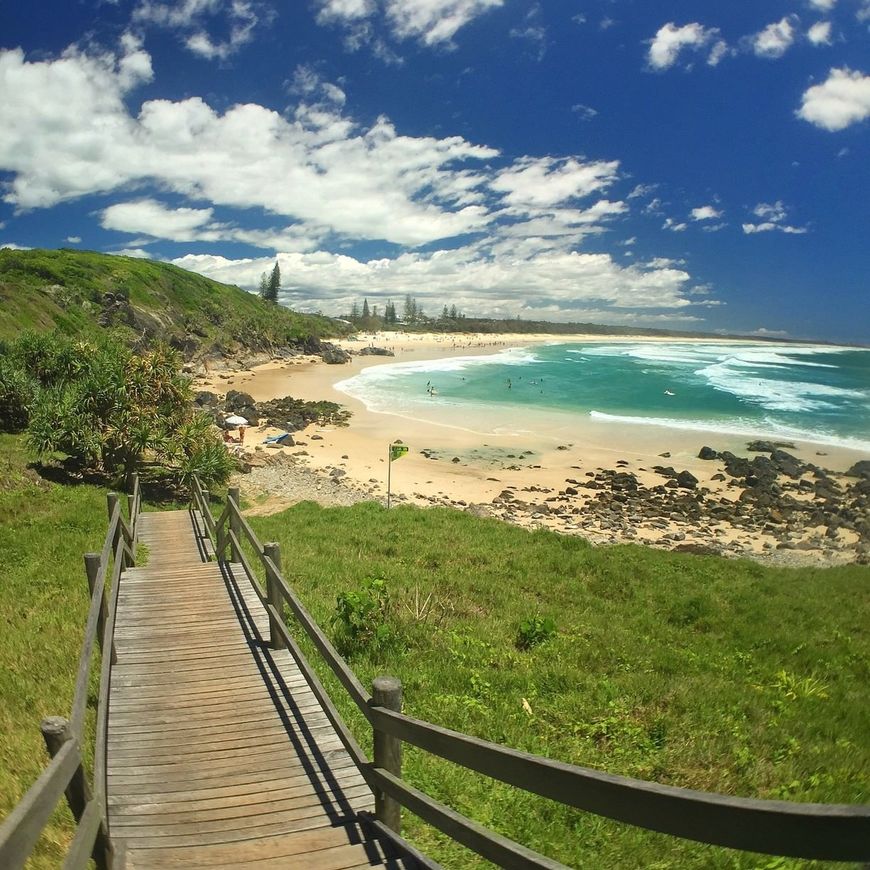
(546, 477)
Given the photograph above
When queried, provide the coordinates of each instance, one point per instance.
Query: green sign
(397, 451)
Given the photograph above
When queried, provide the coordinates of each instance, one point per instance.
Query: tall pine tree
(269, 288)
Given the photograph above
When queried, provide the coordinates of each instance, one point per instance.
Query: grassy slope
(701, 672)
(62, 289)
(44, 530)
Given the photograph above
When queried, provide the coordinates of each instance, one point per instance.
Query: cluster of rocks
(787, 503)
(332, 354)
(371, 350)
(285, 478)
(287, 413)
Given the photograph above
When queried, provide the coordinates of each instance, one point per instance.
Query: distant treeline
(414, 319)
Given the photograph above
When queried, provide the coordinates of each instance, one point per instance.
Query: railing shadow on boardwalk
(302, 739)
(819, 831)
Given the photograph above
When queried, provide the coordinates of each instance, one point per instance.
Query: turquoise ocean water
(813, 393)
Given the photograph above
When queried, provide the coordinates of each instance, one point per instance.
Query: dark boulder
(236, 399)
(242, 404)
(761, 447)
(332, 354)
(860, 469)
(206, 399)
(375, 351)
(187, 344)
(707, 453)
(686, 480)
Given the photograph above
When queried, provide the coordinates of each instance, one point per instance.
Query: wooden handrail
(839, 832)
(21, 830)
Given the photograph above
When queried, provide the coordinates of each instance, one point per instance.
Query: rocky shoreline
(798, 512)
(767, 505)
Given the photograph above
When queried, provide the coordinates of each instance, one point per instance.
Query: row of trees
(367, 317)
(109, 409)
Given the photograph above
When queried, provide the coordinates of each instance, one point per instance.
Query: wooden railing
(64, 738)
(836, 832)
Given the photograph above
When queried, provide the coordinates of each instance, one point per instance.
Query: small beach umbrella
(235, 420)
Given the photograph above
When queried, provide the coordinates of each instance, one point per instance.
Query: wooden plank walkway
(218, 753)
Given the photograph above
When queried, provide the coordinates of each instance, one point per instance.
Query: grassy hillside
(697, 671)
(66, 290)
(702, 672)
(44, 530)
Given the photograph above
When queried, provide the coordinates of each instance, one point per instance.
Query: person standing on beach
(241, 434)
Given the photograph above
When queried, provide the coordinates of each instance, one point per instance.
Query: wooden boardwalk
(218, 754)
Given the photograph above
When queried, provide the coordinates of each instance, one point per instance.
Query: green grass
(45, 290)
(44, 530)
(700, 672)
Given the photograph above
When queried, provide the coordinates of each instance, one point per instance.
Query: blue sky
(698, 166)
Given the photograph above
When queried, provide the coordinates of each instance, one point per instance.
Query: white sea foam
(774, 395)
(767, 429)
(694, 354)
(373, 385)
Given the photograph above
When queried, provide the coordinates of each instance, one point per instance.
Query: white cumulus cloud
(66, 131)
(705, 213)
(431, 22)
(193, 19)
(841, 100)
(820, 33)
(567, 283)
(772, 217)
(775, 40)
(434, 21)
(674, 226)
(665, 47)
(545, 181)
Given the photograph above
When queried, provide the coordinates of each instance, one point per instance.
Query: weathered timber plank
(169, 648)
(213, 764)
(184, 773)
(248, 695)
(198, 688)
(188, 755)
(249, 793)
(285, 826)
(173, 717)
(290, 776)
(168, 720)
(242, 816)
(270, 731)
(305, 843)
(191, 671)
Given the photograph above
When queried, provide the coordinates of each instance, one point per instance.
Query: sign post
(396, 451)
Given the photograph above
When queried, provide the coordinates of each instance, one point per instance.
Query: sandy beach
(462, 462)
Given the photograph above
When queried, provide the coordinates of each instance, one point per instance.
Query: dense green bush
(362, 618)
(109, 409)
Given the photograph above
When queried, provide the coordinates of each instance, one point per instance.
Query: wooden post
(387, 692)
(111, 501)
(92, 568)
(56, 732)
(273, 595)
(235, 525)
